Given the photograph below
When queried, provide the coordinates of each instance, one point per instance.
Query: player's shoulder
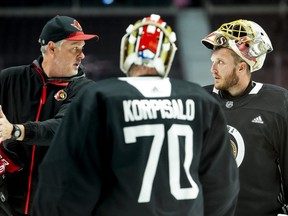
(185, 82)
(118, 85)
(196, 91)
(189, 87)
(109, 86)
(273, 92)
(271, 97)
(14, 70)
(101, 85)
(209, 88)
(274, 88)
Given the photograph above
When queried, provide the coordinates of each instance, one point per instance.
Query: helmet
(149, 42)
(246, 38)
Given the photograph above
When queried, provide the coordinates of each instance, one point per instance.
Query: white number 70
(158, 133)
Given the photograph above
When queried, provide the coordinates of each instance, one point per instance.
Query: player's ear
(243, 66)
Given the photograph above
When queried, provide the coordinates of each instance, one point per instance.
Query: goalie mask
(246, 38)
(149, 42)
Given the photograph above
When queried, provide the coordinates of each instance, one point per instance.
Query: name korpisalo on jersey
(137, 110)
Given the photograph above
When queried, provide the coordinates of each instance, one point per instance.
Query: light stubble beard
(229, 82)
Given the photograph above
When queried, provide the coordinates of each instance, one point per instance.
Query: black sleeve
(281, 137)
(218, 169)
(40, 133)
(70, 171)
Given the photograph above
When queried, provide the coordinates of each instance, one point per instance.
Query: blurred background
(21, 23)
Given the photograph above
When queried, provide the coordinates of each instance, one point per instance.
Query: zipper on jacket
(42, 102)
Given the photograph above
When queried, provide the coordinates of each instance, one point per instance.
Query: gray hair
(58, 44)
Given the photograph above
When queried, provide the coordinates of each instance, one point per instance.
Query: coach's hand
(5, 127)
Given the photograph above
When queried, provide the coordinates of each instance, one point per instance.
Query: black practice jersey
(258, 125)
(140, 146)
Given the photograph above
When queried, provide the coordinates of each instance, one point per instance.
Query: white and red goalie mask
(149, 42)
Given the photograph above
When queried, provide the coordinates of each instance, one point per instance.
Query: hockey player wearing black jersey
(257, 116)
(142, 145)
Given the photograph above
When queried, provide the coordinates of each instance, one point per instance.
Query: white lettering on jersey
(137, 110)
(157, 131)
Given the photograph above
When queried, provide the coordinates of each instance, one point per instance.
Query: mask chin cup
(134, 59)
